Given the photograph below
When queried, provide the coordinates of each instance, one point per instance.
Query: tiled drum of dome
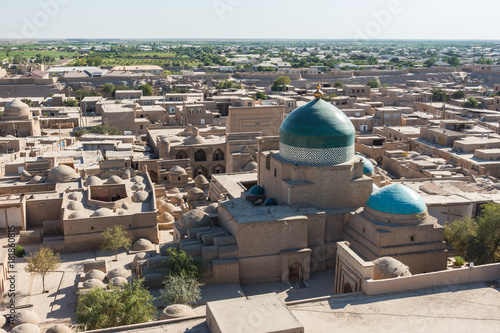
(316, 156)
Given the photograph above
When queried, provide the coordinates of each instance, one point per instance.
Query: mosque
(17, 120)
(312, 191)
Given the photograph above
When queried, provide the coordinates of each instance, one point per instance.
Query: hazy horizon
(380, 20)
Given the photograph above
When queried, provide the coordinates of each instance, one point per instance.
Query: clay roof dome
(388, 268)
(25, 328)
(176, 311)
(95, 274)
(61, 173)
(59, 328)
(251, 166)
(93, 181)
(26, 317)
(76, 196)
(195, 193)
(396, 199)
(118, 272)
(173, 190)
(93, 283)
(201, 180)
(142, 244)
(194, 140)
(137, 179)
(114, 180)
(165, 218)
(317, 134)
(177, 171)
(140, 196)
(117, 281)
(75, 205)
(194, 219)
(102, 212)
(166, 207)
(16, 110)
(78, 215)
(36, 180)
(212, 208)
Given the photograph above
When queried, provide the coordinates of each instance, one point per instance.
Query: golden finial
(318, 93)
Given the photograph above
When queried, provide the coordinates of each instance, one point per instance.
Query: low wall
(434, 279)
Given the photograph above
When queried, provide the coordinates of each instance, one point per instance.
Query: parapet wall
(434, 279)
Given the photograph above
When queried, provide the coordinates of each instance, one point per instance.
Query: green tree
(453, 61)
(338, 84)
(42, 262)
(372, 84)
(109, 88)
(280, 83)
(459, 94)
(180, 290)
(225, 84)
(115, 238)
(70, 102)
(430, 62)
(471, 103)
(438, 95)
(478, 240)
(147, 90)
(28, 101)
(99, 308)
(260, 95)
(181, 264)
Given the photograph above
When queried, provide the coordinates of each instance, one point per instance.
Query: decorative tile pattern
(316, 156)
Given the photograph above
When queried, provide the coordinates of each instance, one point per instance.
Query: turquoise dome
(396, 199)
(257, 190)
(317, 134)
(368, 168)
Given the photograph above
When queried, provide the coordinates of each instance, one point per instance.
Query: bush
(181, 264)
(180, 290)
(19, 251)
(459, 261)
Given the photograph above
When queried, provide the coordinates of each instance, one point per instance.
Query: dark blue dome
(270, 202)
(368, 168)
(396, 199)
(257, 190)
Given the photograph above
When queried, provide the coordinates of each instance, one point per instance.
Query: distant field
(130, 61)
(33, 53)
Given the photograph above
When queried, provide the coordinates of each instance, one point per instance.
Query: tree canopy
(438, 95)
(180, 290)
(115, 238)
(182, 264)
(147, 90)
(471, 103)
(372, 84)
(70, 102)
(477, 239)
(280, 83)
(459, 94)
(42, 262)
(99, 308)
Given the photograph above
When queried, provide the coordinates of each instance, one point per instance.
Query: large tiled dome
(396, 199)
(317, 134)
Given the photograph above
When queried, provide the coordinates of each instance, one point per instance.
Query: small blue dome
(270, 202)
(396, 199)
(368, 168)
(257, 190)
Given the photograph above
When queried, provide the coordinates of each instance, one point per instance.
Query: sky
(250, 19)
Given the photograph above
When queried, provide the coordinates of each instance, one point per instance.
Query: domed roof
(174, 138)
(194, 140)
(142, 244)
(76, 196)
(75, 205)
(165, 218)
(317, 134)
(368, 168)
(194, 219)
(388, 268)
(270, 202)
(59, 328)
(93, 283)
(176, 311)
(36, 180)
(177, 171)
(173, 190)
(213, 208)
(26, 317)
(138, 187)
(93, 181)
(95, 274)
(16, 110)
(257, 190)
(396, 199)
(177, 199)
(137, 179)
(251, 166)
(114, 180)
(195, 193)
(102, 212)
(117, 281)
(61, 173)
(140, 196)
(118, 272)
(26, 328)
(166, 207)
(78, 215)
(201, 180)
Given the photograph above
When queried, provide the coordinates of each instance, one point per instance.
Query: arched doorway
(153, 175)
(295, 272)
(219, 169)
(200, 156)
(218, 155)
(347, 288)
(181, 155)
(200, 171)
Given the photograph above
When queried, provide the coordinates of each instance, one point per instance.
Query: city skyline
(242, 19)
